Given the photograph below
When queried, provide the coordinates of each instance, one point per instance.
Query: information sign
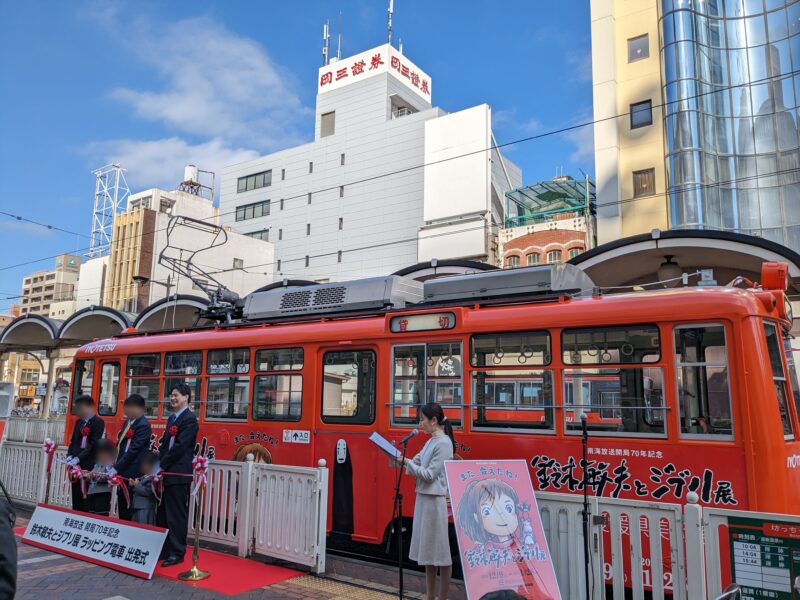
(765, 558)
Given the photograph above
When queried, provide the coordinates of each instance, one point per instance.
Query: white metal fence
(33, 430)
(272, 510)
(281, 512)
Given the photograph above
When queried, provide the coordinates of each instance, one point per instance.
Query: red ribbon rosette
(85, 431)
(49, 448)
(173, 431)
(75, 475)
(129, 434)
(117, 481)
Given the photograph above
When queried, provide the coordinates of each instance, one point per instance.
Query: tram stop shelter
(643, 260)
(55, 338)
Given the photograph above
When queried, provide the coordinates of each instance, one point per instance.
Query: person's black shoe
(172, 561)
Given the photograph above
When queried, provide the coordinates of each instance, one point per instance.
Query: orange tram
(685, 390)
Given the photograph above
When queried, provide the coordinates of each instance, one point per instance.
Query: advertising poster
(500, 536)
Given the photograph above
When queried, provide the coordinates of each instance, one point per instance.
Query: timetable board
(765, 558)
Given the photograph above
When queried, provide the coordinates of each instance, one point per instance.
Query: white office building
(389, 180)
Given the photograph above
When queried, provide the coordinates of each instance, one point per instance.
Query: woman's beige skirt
(429, 541)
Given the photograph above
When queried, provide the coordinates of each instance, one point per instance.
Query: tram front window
(704, 398)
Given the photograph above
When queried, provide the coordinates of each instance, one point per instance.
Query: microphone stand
(397, 517)
(585, 443)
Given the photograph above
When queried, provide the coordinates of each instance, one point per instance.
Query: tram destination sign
(426, 322)
(765, 557)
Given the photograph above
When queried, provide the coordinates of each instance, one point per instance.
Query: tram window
(348, 387)
(511, 349)
(439, 381)
(778, 375)
(611, 345)
(170, 382)
(704, 399)
(279, 359)
(627, 401)
(83, 379)
(513, 399)
(234, 360)
(183, 363)
(143, 365)
(227, 397)
(791, 363)
(109, 389)
(147, 389)
(278, 397)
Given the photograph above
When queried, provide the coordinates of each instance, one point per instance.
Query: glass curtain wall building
(731, 84)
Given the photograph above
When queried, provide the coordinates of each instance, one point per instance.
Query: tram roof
(653, 306)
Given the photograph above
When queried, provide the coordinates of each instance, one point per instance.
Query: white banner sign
(128, 547)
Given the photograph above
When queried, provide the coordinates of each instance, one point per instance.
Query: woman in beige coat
(430, 545)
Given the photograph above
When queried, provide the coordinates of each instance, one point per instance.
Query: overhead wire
(491, 148)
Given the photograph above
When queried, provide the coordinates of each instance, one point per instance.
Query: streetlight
(143, 280)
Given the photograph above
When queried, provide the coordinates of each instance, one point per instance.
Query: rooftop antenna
(110, 193)
(339, 40)
(326, 42)
(389, 34)
(400, 46)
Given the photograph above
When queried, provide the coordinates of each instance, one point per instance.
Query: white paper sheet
(385, 445)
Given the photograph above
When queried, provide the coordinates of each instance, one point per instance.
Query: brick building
(543, 247)
(548, 223)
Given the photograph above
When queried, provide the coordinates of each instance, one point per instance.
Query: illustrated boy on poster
(501, 539)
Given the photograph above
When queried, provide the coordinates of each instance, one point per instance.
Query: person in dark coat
(133, 443)
(176, 452)
(88, 432)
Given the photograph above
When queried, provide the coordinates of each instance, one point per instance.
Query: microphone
(410, 435)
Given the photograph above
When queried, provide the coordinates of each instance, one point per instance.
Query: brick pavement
(44, 575)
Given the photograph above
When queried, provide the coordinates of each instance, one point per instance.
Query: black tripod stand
(585, 444)
(397, 519)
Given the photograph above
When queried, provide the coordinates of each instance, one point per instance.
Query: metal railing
(281, 511)
(33, 430)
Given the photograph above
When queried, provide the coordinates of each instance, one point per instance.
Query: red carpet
(230, 575)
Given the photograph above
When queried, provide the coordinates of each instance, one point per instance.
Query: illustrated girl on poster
(491, 515)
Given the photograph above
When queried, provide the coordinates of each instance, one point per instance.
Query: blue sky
(156, 85)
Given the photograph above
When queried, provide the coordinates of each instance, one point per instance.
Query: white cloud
(583, 140)
(160, 163)
(222, 99)
(508, 119)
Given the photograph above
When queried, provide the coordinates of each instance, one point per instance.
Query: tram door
(346, 419)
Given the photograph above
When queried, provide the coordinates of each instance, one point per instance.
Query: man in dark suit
(133, 442)
(176, 452)
(83, 445)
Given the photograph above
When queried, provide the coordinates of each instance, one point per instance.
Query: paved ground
(44, 575)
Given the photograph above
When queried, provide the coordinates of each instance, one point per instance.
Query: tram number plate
(297, 436)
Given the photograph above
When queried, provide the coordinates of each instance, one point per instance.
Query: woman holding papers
(429, 541)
